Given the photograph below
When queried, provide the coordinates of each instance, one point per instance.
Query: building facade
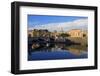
(77, 33)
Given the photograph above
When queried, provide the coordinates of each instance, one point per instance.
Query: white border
(26, 65)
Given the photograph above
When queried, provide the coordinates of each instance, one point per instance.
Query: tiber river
(57, 51)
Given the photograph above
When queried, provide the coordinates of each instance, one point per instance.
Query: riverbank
(82, 41)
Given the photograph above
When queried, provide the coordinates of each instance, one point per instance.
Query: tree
(84, 35)
(64, 35)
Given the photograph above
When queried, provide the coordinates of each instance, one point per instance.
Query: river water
(57, 51)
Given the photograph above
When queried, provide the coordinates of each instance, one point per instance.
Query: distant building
(30, 33)
(55, 34)
(33, 33)
(37, 33)
(77, 33)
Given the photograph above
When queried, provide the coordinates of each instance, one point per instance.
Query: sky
(57, 22)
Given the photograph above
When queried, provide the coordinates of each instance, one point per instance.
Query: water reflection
(52, 47)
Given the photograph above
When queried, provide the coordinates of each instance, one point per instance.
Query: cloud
(76, 24)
